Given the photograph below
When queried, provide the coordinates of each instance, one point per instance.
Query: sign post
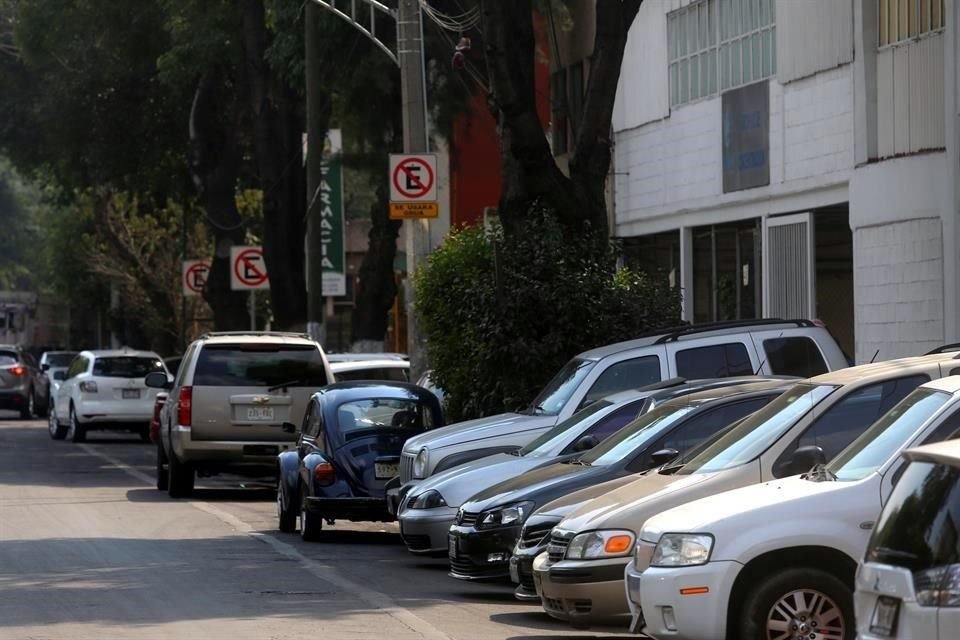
(193, 276)
(248, 272)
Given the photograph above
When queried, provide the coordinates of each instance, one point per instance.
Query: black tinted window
(609, 425)
(920, 527)
(717, 361)
(59, 359)
(394, 374)
(125, 367)
(795, 356)
(259, 365)
(628, 374)
(842, 423)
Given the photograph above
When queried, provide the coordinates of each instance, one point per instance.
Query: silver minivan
(228, 404)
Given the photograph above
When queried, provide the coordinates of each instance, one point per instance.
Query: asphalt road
(89, 549)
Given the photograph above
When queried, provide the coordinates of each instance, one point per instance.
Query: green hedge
(501, 315)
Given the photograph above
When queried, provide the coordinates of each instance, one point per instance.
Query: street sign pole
(314, 152)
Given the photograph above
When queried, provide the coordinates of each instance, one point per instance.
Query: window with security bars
(903, 20)
(715, 45)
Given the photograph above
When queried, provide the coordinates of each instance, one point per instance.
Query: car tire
(163, 475)
(28, 412)
(311, 524)
(144, 433)
(180, 477)
(57, 431)
(772, 606)
(43, 410)
(286, 514)
(76, 431)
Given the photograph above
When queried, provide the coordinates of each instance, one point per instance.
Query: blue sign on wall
(746, 137)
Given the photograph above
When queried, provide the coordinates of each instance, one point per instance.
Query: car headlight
(420, 464)
(428, 500)
(609, 543)
(505, 516)
(682, 550)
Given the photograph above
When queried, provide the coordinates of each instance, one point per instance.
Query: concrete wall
(812, 36)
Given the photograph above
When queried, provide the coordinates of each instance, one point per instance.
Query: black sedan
(349, 447)
(488, 525)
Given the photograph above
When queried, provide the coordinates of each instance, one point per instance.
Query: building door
(788, 263)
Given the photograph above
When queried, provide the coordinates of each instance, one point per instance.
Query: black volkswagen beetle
(349, 447)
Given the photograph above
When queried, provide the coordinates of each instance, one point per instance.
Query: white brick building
(797, 158)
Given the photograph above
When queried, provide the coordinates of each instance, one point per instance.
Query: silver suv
(229, 401)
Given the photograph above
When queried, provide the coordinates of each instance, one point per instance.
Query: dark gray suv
(23, 386)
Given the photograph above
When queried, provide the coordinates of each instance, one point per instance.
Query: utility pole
(314, 159)
(415, 140)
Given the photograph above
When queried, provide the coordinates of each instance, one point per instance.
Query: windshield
(648, 426)
(751, 437)
(126, 367)
(887, 435)
(555, 395)
(558, 434)
(58, 360)
(260, 365)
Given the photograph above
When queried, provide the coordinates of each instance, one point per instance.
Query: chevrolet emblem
(261, 400)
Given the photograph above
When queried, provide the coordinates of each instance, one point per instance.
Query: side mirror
(663, 456)
(289, 427)
(585, 443)
(60, 375)
(45, 367)
(158, 380)
(802, 460)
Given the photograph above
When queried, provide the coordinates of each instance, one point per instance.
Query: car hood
(629, 506)
(478, 429)
(458, 484)
(570, 502)
(540, 485)
(775, 501)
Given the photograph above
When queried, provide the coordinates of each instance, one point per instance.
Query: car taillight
(88, 386)
(938, 587)
(17, 370)
(185, 407)
(323, 473)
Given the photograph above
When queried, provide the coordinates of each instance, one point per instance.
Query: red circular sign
(408, 178)
(196, 277)
(249, 269)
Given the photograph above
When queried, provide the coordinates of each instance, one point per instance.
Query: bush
(501, 315)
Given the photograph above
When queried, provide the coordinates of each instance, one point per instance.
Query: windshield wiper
(894, 553)
(284, 385)
(579, 462)
(669, 471)
(820, 473)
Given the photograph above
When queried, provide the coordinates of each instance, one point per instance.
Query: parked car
(380, 369)
(349, 447)
(907, 581)
(159, 400)
(427, 513)
(427, 382)
(809, 424)
(489, 524)
(781, 556)
(227, 405)
(792, 348)
(105, 390)
(23, 385)
(53, 363)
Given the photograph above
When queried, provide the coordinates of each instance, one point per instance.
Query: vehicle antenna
(757, 372)
(875, 356)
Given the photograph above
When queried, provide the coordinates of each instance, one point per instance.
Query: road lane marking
(376, 599)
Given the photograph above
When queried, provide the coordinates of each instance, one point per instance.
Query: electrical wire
(466, 21)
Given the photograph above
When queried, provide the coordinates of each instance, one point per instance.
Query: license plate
(452, 542)
(131, 394)
(514, 572)
(386, 469)
(260, 413)
(885, 614)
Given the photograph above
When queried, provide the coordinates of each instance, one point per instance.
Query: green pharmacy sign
(332, 251)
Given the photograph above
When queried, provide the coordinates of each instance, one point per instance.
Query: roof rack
(672, 335)
(272, 334)
(944, 348)
(664, 384)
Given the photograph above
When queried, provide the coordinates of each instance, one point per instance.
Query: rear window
(60, 359)
(259, 365)
(383, 413)
(7, 358)
(125, 367)
(717, 361)
(920, 527)
(390, 374)
(796, 356)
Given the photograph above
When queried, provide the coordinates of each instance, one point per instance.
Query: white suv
(778, 559)
(105, 390)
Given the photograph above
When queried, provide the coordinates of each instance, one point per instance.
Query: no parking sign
(248, 269)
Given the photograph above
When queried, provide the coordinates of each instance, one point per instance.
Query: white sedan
(105, 390)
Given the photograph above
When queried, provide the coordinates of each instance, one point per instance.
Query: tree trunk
(377, 288)
(215, 164)
(278, 123)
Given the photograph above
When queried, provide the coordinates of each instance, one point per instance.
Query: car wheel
(286, 514)
(163, 476)
(43, 410)
(310, 523)
(144, 433)
(799, 602)
(57, 431)
(180, 477)
(29, 411)
(76, 432)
